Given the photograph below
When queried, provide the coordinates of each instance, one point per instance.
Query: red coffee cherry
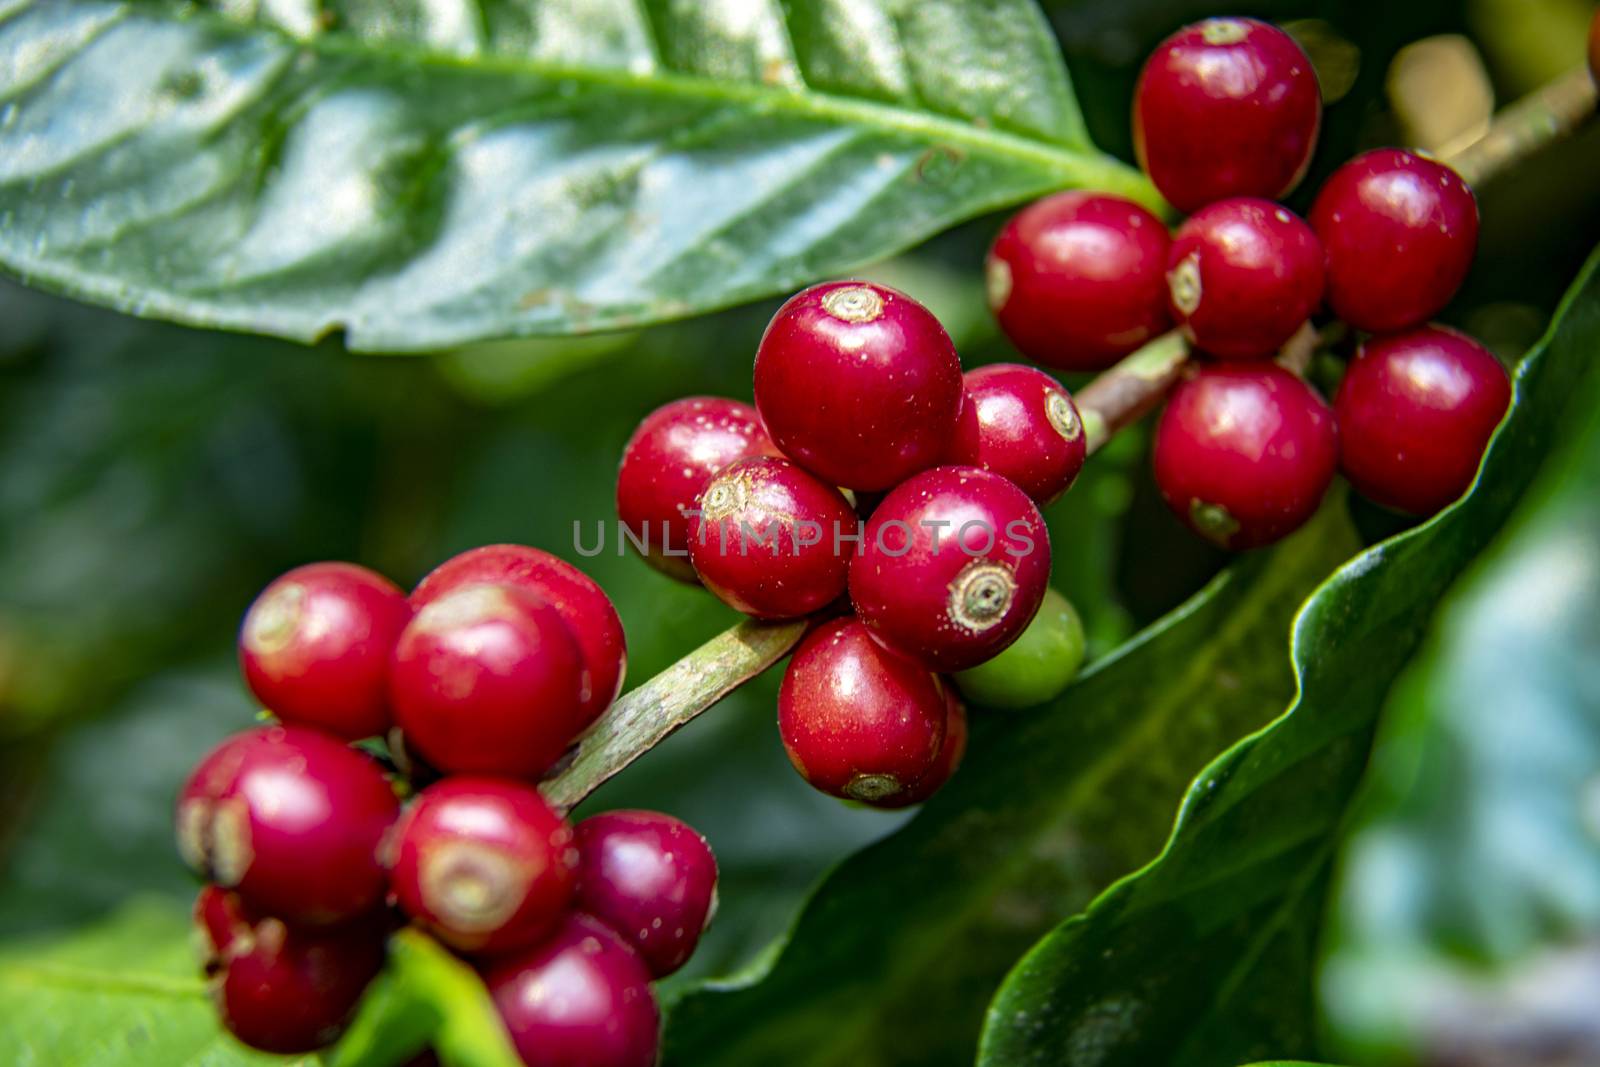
(858, 383)
(286, 989)
(952, 566)
(1400, 232)
(1022, 425)
(1416, 411)
(580, 999)
(858, 720)
(1244, 454)
(948, 762)
(486, 680)
(652, 879)
(1594, 47)
(1079, 280)
(584, 607)
(291, 819)
(484, 863)
(1226, 107)
(222, 923)
(315, 647)
(669, 459)
(765, 541)
(1244, 275)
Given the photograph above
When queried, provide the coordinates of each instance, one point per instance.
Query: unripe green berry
(1037, 666)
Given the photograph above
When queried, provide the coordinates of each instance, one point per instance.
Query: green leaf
(123, 992)
(420, 174)
(127, 992)
(893, 957)
(1471, 884)
(425, 997)
(1205, 956)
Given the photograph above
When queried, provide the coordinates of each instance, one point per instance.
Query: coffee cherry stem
(643, 717)
(1122, 395)
(1296, 354)
(1549, 113)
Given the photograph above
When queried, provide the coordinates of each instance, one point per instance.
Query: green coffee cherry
(1037, 666)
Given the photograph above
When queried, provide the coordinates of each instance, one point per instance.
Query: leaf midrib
(1081, 162)
(93, 980)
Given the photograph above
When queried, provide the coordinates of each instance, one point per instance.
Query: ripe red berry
(222, 924)
(1416, 411)
(315, 647)
(1244, 274)
(1021, 424)
(951, 567)
(951, 752)
(669, 459)
(291, 819)
(286, 989)
(484, 863)
(771, 539)
(1594, 47)
(1079, 280)
(584, 607)
(652, 879)
(486, 680)
(1400, 232)
(858, 720)
(1244, 454)
(580, 999)
(1226, 107)
(858, 383)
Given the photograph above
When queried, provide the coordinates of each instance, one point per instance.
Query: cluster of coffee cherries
(472, 687)
(1226, 117)
(874, 485)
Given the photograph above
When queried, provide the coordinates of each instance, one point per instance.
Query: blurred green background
(153, 478)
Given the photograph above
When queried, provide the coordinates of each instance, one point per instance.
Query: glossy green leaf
(894, 956)
(1205, 956)
(425, 997)
(127, 991)
(1468, 904)
(123, 992)
(421, 174)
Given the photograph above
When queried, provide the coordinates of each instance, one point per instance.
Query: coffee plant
(1155, 507)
